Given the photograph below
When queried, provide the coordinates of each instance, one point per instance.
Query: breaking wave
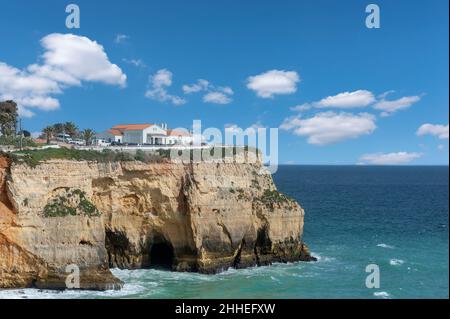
(396, 262)
(382, 245)
(382, 294)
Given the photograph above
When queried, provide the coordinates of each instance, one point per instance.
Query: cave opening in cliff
(161, 255)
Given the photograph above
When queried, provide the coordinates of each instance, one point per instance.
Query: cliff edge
(203, 217)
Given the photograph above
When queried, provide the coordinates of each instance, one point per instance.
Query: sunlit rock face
(203, 217)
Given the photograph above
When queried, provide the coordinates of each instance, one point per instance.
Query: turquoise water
(395, 217)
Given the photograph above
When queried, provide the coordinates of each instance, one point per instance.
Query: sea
(388, 223)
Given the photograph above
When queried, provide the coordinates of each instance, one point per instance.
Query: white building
(146, 134)
(179, 137)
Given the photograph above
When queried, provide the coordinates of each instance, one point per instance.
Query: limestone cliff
(201, 217)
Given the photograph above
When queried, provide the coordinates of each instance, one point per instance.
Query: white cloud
(159, 83)
(28, 90)
(226, 90)
(232, 128)
(24, 112)
(121, 38)
(390, 107)
(385, 94)
(441, 147)
(200, 85)
(68, 60)
(16, 82)
(440, 131)
(273, 82)
(81, 58)
(329, 127)
(291, 123)
(252, 129)
(135, 62)
(301, 108)
(389, 158)
(55, 74)
(217, 95)
(44, 103)
(359, 98)
(344, 100)
(162, 78)
(257, 125)
(217, 98)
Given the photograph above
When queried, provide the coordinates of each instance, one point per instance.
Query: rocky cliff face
(201, 217)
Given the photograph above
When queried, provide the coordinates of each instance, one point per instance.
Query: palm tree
(48, 132)
(71, 129)
(8, 118)
(58, 128)
(88, 135)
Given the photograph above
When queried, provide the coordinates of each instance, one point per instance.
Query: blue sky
(364, 92)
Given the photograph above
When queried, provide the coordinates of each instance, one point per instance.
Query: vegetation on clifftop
(32, 158)
(16, 141)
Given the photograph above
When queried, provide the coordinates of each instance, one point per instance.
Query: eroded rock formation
(201, 217)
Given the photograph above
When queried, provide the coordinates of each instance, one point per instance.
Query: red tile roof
(115, 132)
(132, 127)
(177, 133)
(40, 140)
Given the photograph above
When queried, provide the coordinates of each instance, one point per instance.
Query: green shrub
(61, 207)
(271, 197)
(15, 141)
(33, 157)
(164, 153)
(140, 156)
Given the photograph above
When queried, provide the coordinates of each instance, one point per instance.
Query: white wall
(134, 136)
(153, 130)
(109, 137)
(144, 136)
(105, 135)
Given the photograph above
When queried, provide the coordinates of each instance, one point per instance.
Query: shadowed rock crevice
(161, 255)
(263, 246)
(118, 248)
(237, 258)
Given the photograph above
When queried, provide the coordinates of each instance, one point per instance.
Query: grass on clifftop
(15, 141)
(33, 157)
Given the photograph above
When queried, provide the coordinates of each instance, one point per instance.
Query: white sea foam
(396, 262)
(382, 245)
(321, 258)
(132, 287)
(382, 294)
(159, 276)
(128, 289)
